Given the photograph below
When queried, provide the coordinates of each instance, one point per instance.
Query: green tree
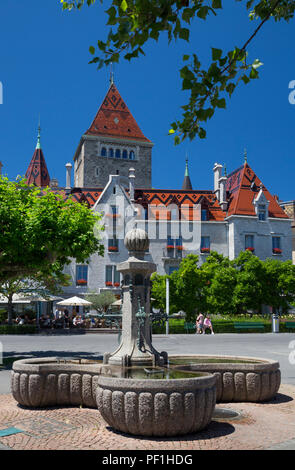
(250, 286)
(158, 292)
(101, 302)
(133, 23)
(188, 283)
(279, 284)
(41, 232)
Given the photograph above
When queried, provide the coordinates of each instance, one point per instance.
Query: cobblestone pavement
(259, 426)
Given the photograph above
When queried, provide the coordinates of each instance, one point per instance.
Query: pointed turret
(114, 119)
(37, 172)
(186, 185)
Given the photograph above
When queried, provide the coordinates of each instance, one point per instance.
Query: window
(249, 243)
(125, 154)
(81, 275)
(111, 153)
(179, 243)
(114, 210)
(113, 245)
(170, 243)
(112, 276)
(131, 155)
(204, 214)
(97, 171)
(276, 245)
(116, 277)
(205, 244)
(103, 152)
(118, 153)
(109, 276)
(261, 212)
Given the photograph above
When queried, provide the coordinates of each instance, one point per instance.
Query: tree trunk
(10, 309)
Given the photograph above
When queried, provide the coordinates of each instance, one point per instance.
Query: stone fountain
(136, 388)
(136, 346)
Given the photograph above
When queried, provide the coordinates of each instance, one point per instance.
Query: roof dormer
(261, 205)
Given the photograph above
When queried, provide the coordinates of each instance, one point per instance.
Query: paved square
(258, 426)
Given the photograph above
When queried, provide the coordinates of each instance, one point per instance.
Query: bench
(249, 326)
(289, 324)
(189, 327)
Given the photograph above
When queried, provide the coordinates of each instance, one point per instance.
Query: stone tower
(112, 144)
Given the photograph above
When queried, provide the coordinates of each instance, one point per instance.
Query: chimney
(222, 193)
(1, 166)
(131, 183)
(69, 170)
(217, 170)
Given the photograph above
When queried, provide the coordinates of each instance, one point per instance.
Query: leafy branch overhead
(134, 22)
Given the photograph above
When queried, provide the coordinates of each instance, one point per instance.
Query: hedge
(17, 329)
(221, 326)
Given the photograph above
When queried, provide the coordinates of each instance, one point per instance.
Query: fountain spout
(136, 344)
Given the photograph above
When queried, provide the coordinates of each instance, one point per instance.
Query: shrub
(17, 329)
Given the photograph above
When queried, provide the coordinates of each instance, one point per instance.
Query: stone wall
(94, 170)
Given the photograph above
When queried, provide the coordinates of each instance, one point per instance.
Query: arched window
(103, 152)
(131, 155)
(111, 153)
(118, 153)
(125, 154)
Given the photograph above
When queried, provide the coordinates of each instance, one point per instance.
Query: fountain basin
(51, 381)
(157, 407)
(238, 379)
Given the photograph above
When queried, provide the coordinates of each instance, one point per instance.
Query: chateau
(112, 174)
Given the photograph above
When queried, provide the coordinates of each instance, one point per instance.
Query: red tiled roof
(88, 195)
(242, 187)
(37, 172)
(114, 119)
(186, 200)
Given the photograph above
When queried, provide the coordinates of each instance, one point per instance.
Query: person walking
(208, 324)
(199, 323)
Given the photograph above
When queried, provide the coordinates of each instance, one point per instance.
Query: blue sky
(44, 70)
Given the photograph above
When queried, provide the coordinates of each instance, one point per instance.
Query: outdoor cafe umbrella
(74, 302)
(16, 299)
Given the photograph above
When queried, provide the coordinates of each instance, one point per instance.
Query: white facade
(227, 237)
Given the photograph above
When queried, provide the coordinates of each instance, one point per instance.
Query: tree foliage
(101, 302)
(228, 287)
(40, 233)
(135, 22)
